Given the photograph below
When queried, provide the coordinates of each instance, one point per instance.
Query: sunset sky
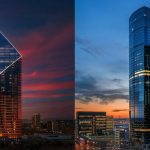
(102, 54)
(43, 32)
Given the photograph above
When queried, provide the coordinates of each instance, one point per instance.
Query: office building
(109, 125)
(91, 123)
(139, 75)
(10, 89)
(121, 134)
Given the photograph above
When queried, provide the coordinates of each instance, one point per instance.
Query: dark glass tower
(139, 75)
(10, 90)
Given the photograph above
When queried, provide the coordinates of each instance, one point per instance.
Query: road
(85, 147)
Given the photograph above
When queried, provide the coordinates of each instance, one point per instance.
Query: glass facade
(10, 90)
(8, 53)
(139, 74)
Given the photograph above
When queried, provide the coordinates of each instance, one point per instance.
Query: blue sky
(101, 53)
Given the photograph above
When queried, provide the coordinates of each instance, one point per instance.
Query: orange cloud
(93, 106)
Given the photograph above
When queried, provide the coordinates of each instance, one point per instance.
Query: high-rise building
(139, 75)
(36, 122)
(10, 89)
(91, 123)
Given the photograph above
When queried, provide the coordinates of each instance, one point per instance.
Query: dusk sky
(102, 54)
(43, 32)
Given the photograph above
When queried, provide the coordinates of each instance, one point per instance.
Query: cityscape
(107, 117)
(75, 75)
(98, 131)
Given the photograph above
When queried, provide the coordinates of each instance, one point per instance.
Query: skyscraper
(139, 75)
(10, 89)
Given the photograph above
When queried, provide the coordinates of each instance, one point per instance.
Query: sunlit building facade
(10, 89)
(139, 75)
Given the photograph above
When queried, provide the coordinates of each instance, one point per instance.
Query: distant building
(49, 126)
(91, 123)
(36, 122)
(26, 123)
(62, 126)
(46, 126)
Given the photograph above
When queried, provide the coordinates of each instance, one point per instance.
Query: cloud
(46, 76)
(120, 110)
(52, 49)
(26, 16)
(48, 86)
(82, 41)
(87, 46)
(85, 83)
(49, 109)
(90, 89)
(116, 80)
(48, 70)
(78, 108)
(101, 96)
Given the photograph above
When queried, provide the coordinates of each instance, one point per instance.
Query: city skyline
(43, 34)
(102, 55)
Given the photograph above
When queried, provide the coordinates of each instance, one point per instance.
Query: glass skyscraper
(10, 89)
(139, 75)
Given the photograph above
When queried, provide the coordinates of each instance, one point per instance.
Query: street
(85, 147)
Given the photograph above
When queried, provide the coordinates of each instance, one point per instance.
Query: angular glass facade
(139, 75)
(10, 90)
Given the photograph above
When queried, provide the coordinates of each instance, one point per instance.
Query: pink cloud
(40, 95)
(46, 86)
(47, 48)
(46, 74)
